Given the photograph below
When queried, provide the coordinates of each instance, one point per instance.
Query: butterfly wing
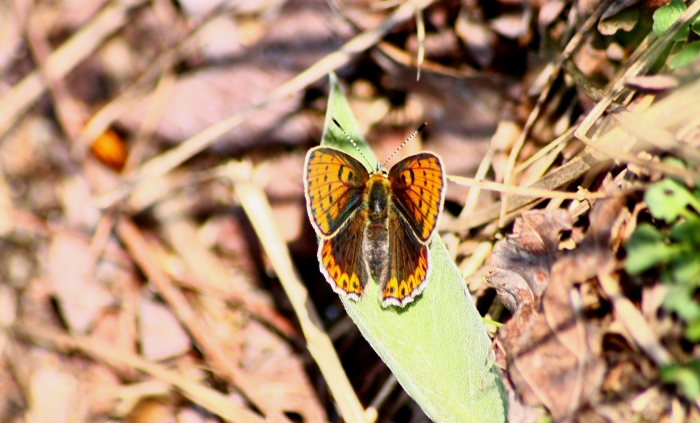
(334, 184)
(408, 263)
(417, 187)
(341, 258)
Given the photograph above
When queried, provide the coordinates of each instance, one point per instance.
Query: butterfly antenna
(352, 142)
(420, 128)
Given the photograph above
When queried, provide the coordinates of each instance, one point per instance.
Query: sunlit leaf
(646, 249)
(667, 15)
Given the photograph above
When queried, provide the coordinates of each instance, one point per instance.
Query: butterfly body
(375, 224)
(376, 235)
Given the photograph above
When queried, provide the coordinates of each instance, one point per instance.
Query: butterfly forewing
(334, 184)
(417, 188)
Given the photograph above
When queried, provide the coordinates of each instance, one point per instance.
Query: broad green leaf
(686, 377)
(685, 268)
(668, 199)
(667, 15)
(688, 231)
(437, 347)
(646, 249)
(679, 298)
(692, 331)
(695, 25)
(686, 55)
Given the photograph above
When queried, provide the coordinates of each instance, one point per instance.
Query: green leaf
(437, 347)
(667, 15)
(687, 378)
(685, 267)
(679, 298)
(692, 331)
(686, 55)
(695, 24)
(668, 199)
(646, 249)
(688, 231)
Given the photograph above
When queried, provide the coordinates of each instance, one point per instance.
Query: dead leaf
(550, 11)
(552, 353)
(522, 262)
(477, 37)
(619, 15)
(80, 298)
(54, 397)
(160, 333)
(512, 25)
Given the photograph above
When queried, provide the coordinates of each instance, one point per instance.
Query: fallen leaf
(550, 11)
(160, 333)
(477, 37)
(522, 262)
(552, 353)
(80, 298)
(53, 397)
(511, 25)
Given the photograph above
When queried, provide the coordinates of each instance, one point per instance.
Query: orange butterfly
(377, 224)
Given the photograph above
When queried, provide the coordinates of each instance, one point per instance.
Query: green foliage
(686, 377)
(646, 249)
(695, 25)
(437, 347)
(674, 251)
(664, 18)
(667, 15)
(687, 54)
(667, 200)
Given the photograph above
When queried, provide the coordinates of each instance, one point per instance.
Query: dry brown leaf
(80, 298)
(54, 397)
(552, 353)
(477, 37)
(160, 333)
(523, 260)
(511, 25)
(550, 11)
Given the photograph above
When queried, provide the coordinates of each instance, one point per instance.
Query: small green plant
(683, 53)
(675, 251)
(686, 377)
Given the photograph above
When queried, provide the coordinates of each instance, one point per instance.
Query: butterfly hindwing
(408, 263)
(341, 258)
(334, 183)
(417, 184)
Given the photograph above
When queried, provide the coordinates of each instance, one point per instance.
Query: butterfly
(377, 223)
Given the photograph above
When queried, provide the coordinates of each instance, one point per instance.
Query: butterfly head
(381, 168)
